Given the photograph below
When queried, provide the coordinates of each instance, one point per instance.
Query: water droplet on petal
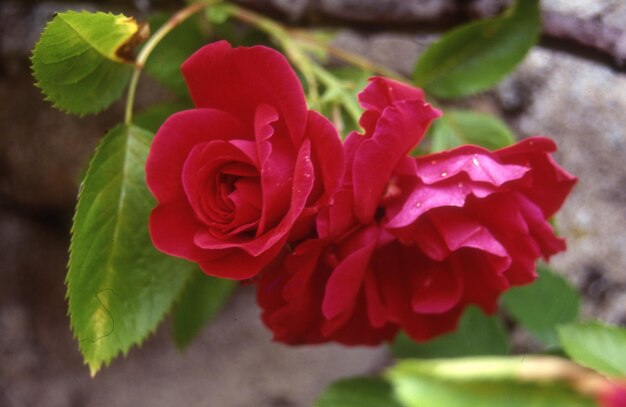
(444, 174)
(475, 161)
(417, 205)
(460, 185)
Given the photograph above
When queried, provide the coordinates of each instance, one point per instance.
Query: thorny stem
(147, 49)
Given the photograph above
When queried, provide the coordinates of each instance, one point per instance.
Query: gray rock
(580, 105)
(384, 11)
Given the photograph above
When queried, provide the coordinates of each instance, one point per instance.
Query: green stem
(147, 49)
(348, 57)
(280, 34)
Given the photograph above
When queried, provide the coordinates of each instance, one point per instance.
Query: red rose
(326, 289)
(233, 176)
(410, 242)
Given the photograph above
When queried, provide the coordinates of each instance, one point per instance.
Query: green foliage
(358, 392)
(165, 61)
(83, 61)
(595, 345)
(477, 334)
(543, 305)
(476, 56)
(119, 286)
(458, 127)
(202, 297)
(484, 382)
(339, 100)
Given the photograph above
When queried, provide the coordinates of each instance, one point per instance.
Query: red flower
(410, 242)
(614, 395)
(234, 176)
(326, 289)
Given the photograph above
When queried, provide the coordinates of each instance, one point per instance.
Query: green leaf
(83, 61)
(165, 61)
(458, 127)
(358, 392)
(339, 99)
(476, 56)
(484, 382)
(477, 334)
(153, 117)
(118, 285)
(544, 304)
(595, 345)
(202, 297)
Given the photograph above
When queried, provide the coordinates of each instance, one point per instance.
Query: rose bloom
(409, 243)
(246, 168)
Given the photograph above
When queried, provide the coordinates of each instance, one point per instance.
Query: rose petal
(174, 141)
(381, 93)
(547, 184)
(400, 128)
(346, 281)
(479, 164)
(238, 80)
(328, 158)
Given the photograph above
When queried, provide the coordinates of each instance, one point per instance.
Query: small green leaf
(476, 56)
(202, 297)
(119, 286)
(595, 345)
(83, 61)
(358, 392)
(165, 61)
(484, 382)
(544, 304)
(458, 127)
(339, 99)
(477, 334)
(153, 117)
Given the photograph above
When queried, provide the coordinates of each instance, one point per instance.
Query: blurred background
(571, 88)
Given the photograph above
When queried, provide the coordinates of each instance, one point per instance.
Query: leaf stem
(147, 49)
(348, 57)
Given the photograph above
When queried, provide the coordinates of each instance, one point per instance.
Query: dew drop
(444, 174)
(417, 205)
(475, 161)
(460, 185)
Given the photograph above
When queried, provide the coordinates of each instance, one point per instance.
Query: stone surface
(382, 11)
(233, 363)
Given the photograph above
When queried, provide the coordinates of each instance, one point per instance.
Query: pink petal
(479, 164)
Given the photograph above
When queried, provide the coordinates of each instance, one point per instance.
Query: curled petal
(174, 141)
(399, 129)
(547, 184)
(238, 80)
